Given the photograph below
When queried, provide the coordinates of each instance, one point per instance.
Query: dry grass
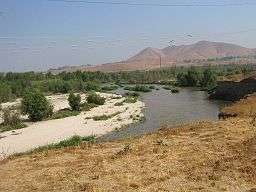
(204, 156)
(243, 108)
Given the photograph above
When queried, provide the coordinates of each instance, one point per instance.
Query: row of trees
(195, 78)
(13, 85)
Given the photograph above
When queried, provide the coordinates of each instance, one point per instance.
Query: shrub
(95, 99)
(74, 101)
(11, 121)
(92, 86)
(105, 117)
(11, 118)
(36, 106)
(109, 88)
(130, 99)
(138, 88)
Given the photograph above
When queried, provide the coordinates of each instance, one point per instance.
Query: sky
(42, 34)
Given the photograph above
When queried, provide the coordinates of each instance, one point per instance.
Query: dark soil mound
(234, 91)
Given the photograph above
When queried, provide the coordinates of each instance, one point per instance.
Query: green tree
(36, 106)
(182, 79)
(5, 92)
(74, 101)
(193, 77)
(209, 79)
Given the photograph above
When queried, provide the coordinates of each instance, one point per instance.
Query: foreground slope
(204, 156)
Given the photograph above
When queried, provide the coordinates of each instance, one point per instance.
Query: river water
(166, 108)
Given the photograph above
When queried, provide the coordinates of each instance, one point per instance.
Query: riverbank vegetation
(11, 121)
(14, 85)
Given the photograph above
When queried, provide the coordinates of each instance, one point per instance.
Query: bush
(139, 88)
(74, 101)
(130, 99)
(92, 86)
(109, 88)
(36, 106)
(93, 98)
(11, 118)
(11, 121)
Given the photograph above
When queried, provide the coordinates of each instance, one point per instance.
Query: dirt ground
(202, 156)
(243, 108)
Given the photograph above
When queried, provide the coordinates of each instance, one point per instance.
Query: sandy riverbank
(52, 131)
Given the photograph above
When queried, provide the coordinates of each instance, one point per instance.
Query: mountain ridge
(150, 58)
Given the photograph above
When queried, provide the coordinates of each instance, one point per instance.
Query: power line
(157, 4)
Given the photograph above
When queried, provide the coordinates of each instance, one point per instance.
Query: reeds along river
(165, 108)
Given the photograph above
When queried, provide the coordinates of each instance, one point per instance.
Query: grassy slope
(205, 156)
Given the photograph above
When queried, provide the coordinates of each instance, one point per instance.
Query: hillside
(151, 58)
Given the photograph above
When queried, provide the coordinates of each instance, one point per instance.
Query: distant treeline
(13, 85)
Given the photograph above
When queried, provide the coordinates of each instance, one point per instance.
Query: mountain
(193, 54)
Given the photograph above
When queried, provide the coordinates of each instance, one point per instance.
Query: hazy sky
(39, 34)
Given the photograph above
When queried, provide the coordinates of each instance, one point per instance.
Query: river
(166, 108)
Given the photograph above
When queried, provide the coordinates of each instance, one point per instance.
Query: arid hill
(151, 58)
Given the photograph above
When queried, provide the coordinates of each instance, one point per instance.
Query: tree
(193, 77)
(209, 79)
(74, 101)
(5, 92)
(36, 106)
(182, 79)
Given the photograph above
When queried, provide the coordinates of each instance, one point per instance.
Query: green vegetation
(194, 77)
(138, 88)
(109, 88)
(71, 142)
(94, 98)
(36, 106)
(209, 79)
(105, 117)
(5, 93)
(131, 99)
(11, 121)
(64, 113)
(74, 101)
(14, 85)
